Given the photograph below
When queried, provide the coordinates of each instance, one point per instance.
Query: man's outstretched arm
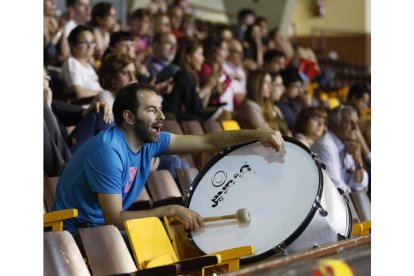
(216, 141)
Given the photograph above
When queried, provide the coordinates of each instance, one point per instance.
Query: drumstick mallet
(242, 215)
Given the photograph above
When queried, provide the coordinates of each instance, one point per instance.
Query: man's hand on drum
(189, 218)
(271, 138)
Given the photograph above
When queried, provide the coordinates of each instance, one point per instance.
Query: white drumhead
(278, 189)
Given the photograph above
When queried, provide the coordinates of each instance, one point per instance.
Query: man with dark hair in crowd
(164, 49)
(245, 18)
(274, 61)
(81, 11)
(108, 172)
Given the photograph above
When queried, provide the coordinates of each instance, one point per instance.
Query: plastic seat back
(163, 188)
(172, 126)
(106, 250)
(49, 190)
(61, 255)
(192, 127)
(150, 243)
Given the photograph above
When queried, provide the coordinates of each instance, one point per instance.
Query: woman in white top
(77, 71)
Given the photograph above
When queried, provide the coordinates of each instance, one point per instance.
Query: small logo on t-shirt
(132, 174)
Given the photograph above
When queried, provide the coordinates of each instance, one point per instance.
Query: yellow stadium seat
(230, 258)
(55, 219)
(230, 125)
(152, 248)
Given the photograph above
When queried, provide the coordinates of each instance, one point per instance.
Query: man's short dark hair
(289, 75)
(120, 36)
(269, 55)
(244, 12)
(358, 90)
(126, 99)
(74, 34)
(70, 3)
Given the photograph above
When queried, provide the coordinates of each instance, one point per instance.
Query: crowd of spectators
(203, 71)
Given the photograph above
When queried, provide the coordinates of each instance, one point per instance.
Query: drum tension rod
(318, 161)
(322, 211)
(280, 249)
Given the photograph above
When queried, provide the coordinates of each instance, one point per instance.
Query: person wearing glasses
(340, 151)
(77, 72)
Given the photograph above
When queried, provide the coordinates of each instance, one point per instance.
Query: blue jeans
(87, 127)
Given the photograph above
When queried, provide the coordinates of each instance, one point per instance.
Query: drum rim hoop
(292, 237)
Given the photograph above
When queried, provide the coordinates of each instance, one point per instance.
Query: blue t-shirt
(104, 164)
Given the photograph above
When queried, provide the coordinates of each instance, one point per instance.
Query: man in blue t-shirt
(107, 173)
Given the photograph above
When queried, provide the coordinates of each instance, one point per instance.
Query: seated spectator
(55, 44)
(359, 97)
(290, 103)
(257, 109)
(123, 43)
(224, 31)
(80, 14)
(189, 28)
(106, 175)
(214, 81)
(253, 47)
(55, 150)
(88, 122)
(176, 14)
(264, 28)
(274, 61)
(117, 71)
(310, 125)
(161, 23)
(281, 43)
(164, 51)
(141, 32)
(277, 91)
(233, 67)
(245, 18)
(77, 72)
(184, 101)
(340, 152)
(103, 23)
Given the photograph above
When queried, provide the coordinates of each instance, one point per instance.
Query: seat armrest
(59, 215)
(237, 252)
(195, 264)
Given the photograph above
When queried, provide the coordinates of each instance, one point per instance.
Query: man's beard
(142, 132)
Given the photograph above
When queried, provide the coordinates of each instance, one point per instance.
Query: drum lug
(280, 249)
(340, 237)
(318, 204)
(317, 160)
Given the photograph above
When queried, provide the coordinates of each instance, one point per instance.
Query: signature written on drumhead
(220, 178)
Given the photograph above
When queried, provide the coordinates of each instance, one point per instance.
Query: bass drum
(292, 202)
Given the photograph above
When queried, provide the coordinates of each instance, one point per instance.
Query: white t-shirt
(238, 77)
(69, 27)
(74, 73)
(105, 96)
